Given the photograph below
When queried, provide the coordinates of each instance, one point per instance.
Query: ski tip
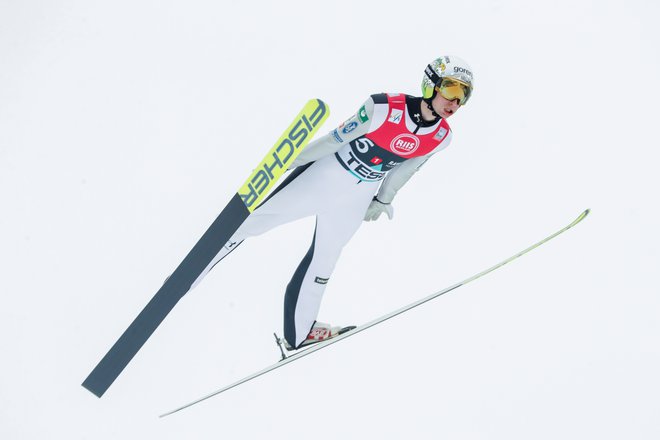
(585, 213)
(578, 219)
(319, 105)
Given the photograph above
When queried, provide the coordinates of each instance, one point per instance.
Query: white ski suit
(335, 179)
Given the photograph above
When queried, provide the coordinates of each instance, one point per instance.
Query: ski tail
(246, 200)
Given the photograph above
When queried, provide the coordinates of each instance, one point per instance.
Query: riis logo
(404, 144)
(284, 152)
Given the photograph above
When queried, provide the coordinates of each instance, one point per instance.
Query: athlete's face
(445, 107)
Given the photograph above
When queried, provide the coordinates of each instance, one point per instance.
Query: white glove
(376, 208)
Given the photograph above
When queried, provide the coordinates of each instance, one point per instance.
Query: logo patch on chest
(362, 114)
(440, 135)
(395, 116)
(349, 127)
(404, 144)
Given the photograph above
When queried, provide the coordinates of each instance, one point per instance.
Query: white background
(126, 126)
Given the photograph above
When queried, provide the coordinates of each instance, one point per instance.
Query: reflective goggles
(452, 89)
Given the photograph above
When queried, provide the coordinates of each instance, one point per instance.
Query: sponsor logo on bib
(404, 144)
(440, 135)
(349, 127)
(395, 116)
(362, 114)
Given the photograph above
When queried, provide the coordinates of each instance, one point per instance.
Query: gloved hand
(376, 208)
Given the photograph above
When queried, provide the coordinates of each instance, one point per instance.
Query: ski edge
(383, 318)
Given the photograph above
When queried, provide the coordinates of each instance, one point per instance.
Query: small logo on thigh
(320, 280)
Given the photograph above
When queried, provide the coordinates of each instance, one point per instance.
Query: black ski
(248, 197)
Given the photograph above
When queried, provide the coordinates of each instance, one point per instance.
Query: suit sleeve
(398, 177)
(356, 126)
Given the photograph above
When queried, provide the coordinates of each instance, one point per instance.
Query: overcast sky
(126, 126)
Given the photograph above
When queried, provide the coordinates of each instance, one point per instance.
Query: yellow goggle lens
(452, 90)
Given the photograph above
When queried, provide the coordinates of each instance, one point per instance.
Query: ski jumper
(336, 177)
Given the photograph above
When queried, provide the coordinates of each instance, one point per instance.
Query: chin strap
(430, 107)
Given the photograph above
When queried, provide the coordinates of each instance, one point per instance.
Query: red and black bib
(371, 156)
